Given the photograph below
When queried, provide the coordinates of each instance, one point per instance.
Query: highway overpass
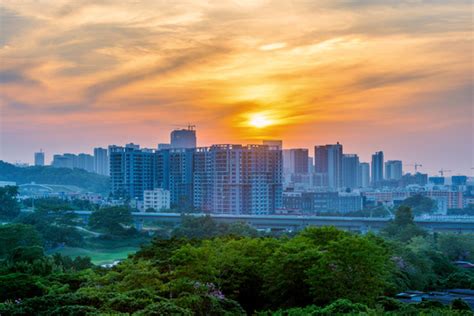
(294, 222)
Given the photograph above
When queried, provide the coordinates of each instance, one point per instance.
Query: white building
(157, 199)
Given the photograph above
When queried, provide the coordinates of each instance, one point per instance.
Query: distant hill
(90, 182)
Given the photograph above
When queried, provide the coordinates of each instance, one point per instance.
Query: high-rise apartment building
(295, 161)
(39, 158)
(181, 177)
(163, 146)
(65, 161)
(72, 161)
(364, 175)
(231, 179)
(183, 138)
(350, 171)
(273, 143)
(131, 171)
(328, 163)
(377, 168)
(101, 161)
(236, 179)
(393, 170)
(85, 162)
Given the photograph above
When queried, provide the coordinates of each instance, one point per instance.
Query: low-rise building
(322, 202)
(157, 199)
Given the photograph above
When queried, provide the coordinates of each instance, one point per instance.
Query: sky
(374, 75)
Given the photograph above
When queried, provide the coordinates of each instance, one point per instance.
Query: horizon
(393, 76)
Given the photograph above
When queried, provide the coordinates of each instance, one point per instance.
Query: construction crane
(416, 165)
(442, 171)
(190, 126)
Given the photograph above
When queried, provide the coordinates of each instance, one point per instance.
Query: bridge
(295, 222)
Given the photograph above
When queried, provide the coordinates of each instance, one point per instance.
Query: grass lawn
(98, 256)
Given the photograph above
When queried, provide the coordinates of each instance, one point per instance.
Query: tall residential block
(350, 171)
(393, 170)
(236, 179)
(364, 175)
(273, 143)
(181, 177)
(39, 158)
(328, 163)
(232, 179)
(85, 162)
(131, 171)
(101, 161)
(295, 161)
(377, 168)
(183, 138)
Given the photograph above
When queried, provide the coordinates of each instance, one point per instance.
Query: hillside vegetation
(87, 181)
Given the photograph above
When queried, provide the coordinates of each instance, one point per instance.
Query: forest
(205, 268)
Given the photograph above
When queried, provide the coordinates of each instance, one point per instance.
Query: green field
(98, 256)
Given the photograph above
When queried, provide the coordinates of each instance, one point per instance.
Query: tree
(55, 227)
(285, 273)
(9, 206)
(205, 227)
(18, 286)
(456, 247)
(16, 235)
(25, 254)
(354, 268)
(460, 305)
(403, 227)
(112, 220)
(420, 204)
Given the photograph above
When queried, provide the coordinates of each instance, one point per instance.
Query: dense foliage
(9, 207)
(60, 176)
(113, 220)
(420, 204)
(216, 269)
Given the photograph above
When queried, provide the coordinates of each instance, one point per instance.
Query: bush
(389, 304)
(19, 286)
(460, 305)
(164, 308)
(343, 306)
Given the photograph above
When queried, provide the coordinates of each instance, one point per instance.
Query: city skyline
(393, 76)
(408, 166)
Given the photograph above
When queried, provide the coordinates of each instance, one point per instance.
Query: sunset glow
(259, 120)
(108, 72)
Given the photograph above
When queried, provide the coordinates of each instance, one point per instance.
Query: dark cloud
(15, 76)
(12, 25)
(387, 79)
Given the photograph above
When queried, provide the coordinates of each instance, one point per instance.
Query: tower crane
(416, 165)
(189, 127)
(442, 171)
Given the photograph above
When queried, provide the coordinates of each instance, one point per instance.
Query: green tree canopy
(112, 220)
(9, 206)
(353, 267)
(420, 204)
(16, 235)
(403, 227)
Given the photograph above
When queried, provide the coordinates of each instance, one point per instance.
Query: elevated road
(293, 222)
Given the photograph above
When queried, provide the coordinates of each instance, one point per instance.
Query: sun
(260, 120)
